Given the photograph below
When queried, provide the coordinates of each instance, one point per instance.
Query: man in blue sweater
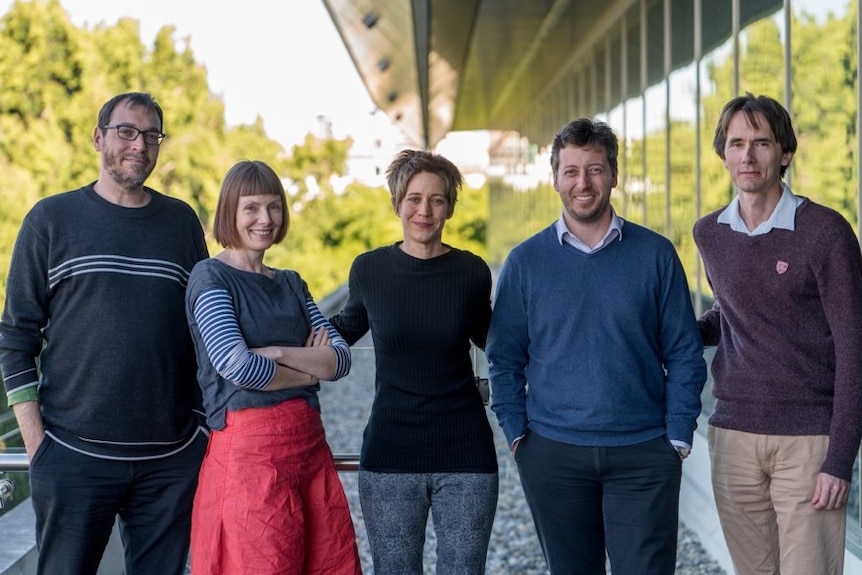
(596, 370)
(97, 359)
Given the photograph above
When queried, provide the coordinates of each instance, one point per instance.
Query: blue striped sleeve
(339, 345)
(225, 345)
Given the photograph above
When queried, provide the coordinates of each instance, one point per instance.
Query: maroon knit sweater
(787, 321)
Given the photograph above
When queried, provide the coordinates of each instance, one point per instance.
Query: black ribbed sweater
(427, 415)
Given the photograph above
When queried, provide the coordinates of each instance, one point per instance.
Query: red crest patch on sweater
(781, 266)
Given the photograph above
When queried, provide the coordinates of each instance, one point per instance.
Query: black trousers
(586, 500)
(77, 497)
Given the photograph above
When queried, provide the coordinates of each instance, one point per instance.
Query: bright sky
(281, 60)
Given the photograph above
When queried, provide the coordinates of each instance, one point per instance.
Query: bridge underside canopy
(435, 66)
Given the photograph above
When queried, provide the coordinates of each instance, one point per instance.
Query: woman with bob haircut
(427, 446)
(269, 500)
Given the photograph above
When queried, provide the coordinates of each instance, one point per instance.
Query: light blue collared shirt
(615, 231)
(783, 216)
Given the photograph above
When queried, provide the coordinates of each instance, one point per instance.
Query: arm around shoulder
(709, 326)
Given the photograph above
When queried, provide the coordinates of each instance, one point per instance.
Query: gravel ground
(514, 548)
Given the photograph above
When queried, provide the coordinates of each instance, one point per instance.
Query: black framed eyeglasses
(130, 133)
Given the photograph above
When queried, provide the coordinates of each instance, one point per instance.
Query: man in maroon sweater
(786, 274)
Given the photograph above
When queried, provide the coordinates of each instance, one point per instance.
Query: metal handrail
(18, 462)
(14, 462)
(10, 462)
(346, 461)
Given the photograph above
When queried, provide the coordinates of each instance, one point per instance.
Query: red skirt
(269, 500)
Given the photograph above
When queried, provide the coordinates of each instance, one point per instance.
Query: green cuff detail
(20, 396)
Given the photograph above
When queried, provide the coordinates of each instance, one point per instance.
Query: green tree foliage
(825, 111)
(56, 77)
(318, 159)
(515, 214)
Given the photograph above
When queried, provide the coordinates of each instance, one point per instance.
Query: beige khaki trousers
(763, 485)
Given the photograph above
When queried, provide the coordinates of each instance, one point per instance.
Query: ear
(97, 138)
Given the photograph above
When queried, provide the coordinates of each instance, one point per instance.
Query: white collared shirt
(615, 231)
(783, 216)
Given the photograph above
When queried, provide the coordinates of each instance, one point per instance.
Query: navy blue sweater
(596, 349)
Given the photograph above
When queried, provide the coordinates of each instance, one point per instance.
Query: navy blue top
(597, 349)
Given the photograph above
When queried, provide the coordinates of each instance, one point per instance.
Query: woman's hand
(301, 366)
(318, 339)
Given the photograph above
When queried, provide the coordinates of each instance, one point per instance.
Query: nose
(138, 142)
(582, 180)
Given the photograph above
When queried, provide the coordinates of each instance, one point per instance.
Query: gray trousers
(395, 507)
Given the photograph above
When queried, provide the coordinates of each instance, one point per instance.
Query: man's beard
(127, 178)
(595, 212)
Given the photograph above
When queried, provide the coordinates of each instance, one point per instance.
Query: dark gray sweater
(107, 285)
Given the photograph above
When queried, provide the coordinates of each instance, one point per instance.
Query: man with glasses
(97, 361)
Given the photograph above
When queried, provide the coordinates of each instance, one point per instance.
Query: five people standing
(786, 274)
(595, 362)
